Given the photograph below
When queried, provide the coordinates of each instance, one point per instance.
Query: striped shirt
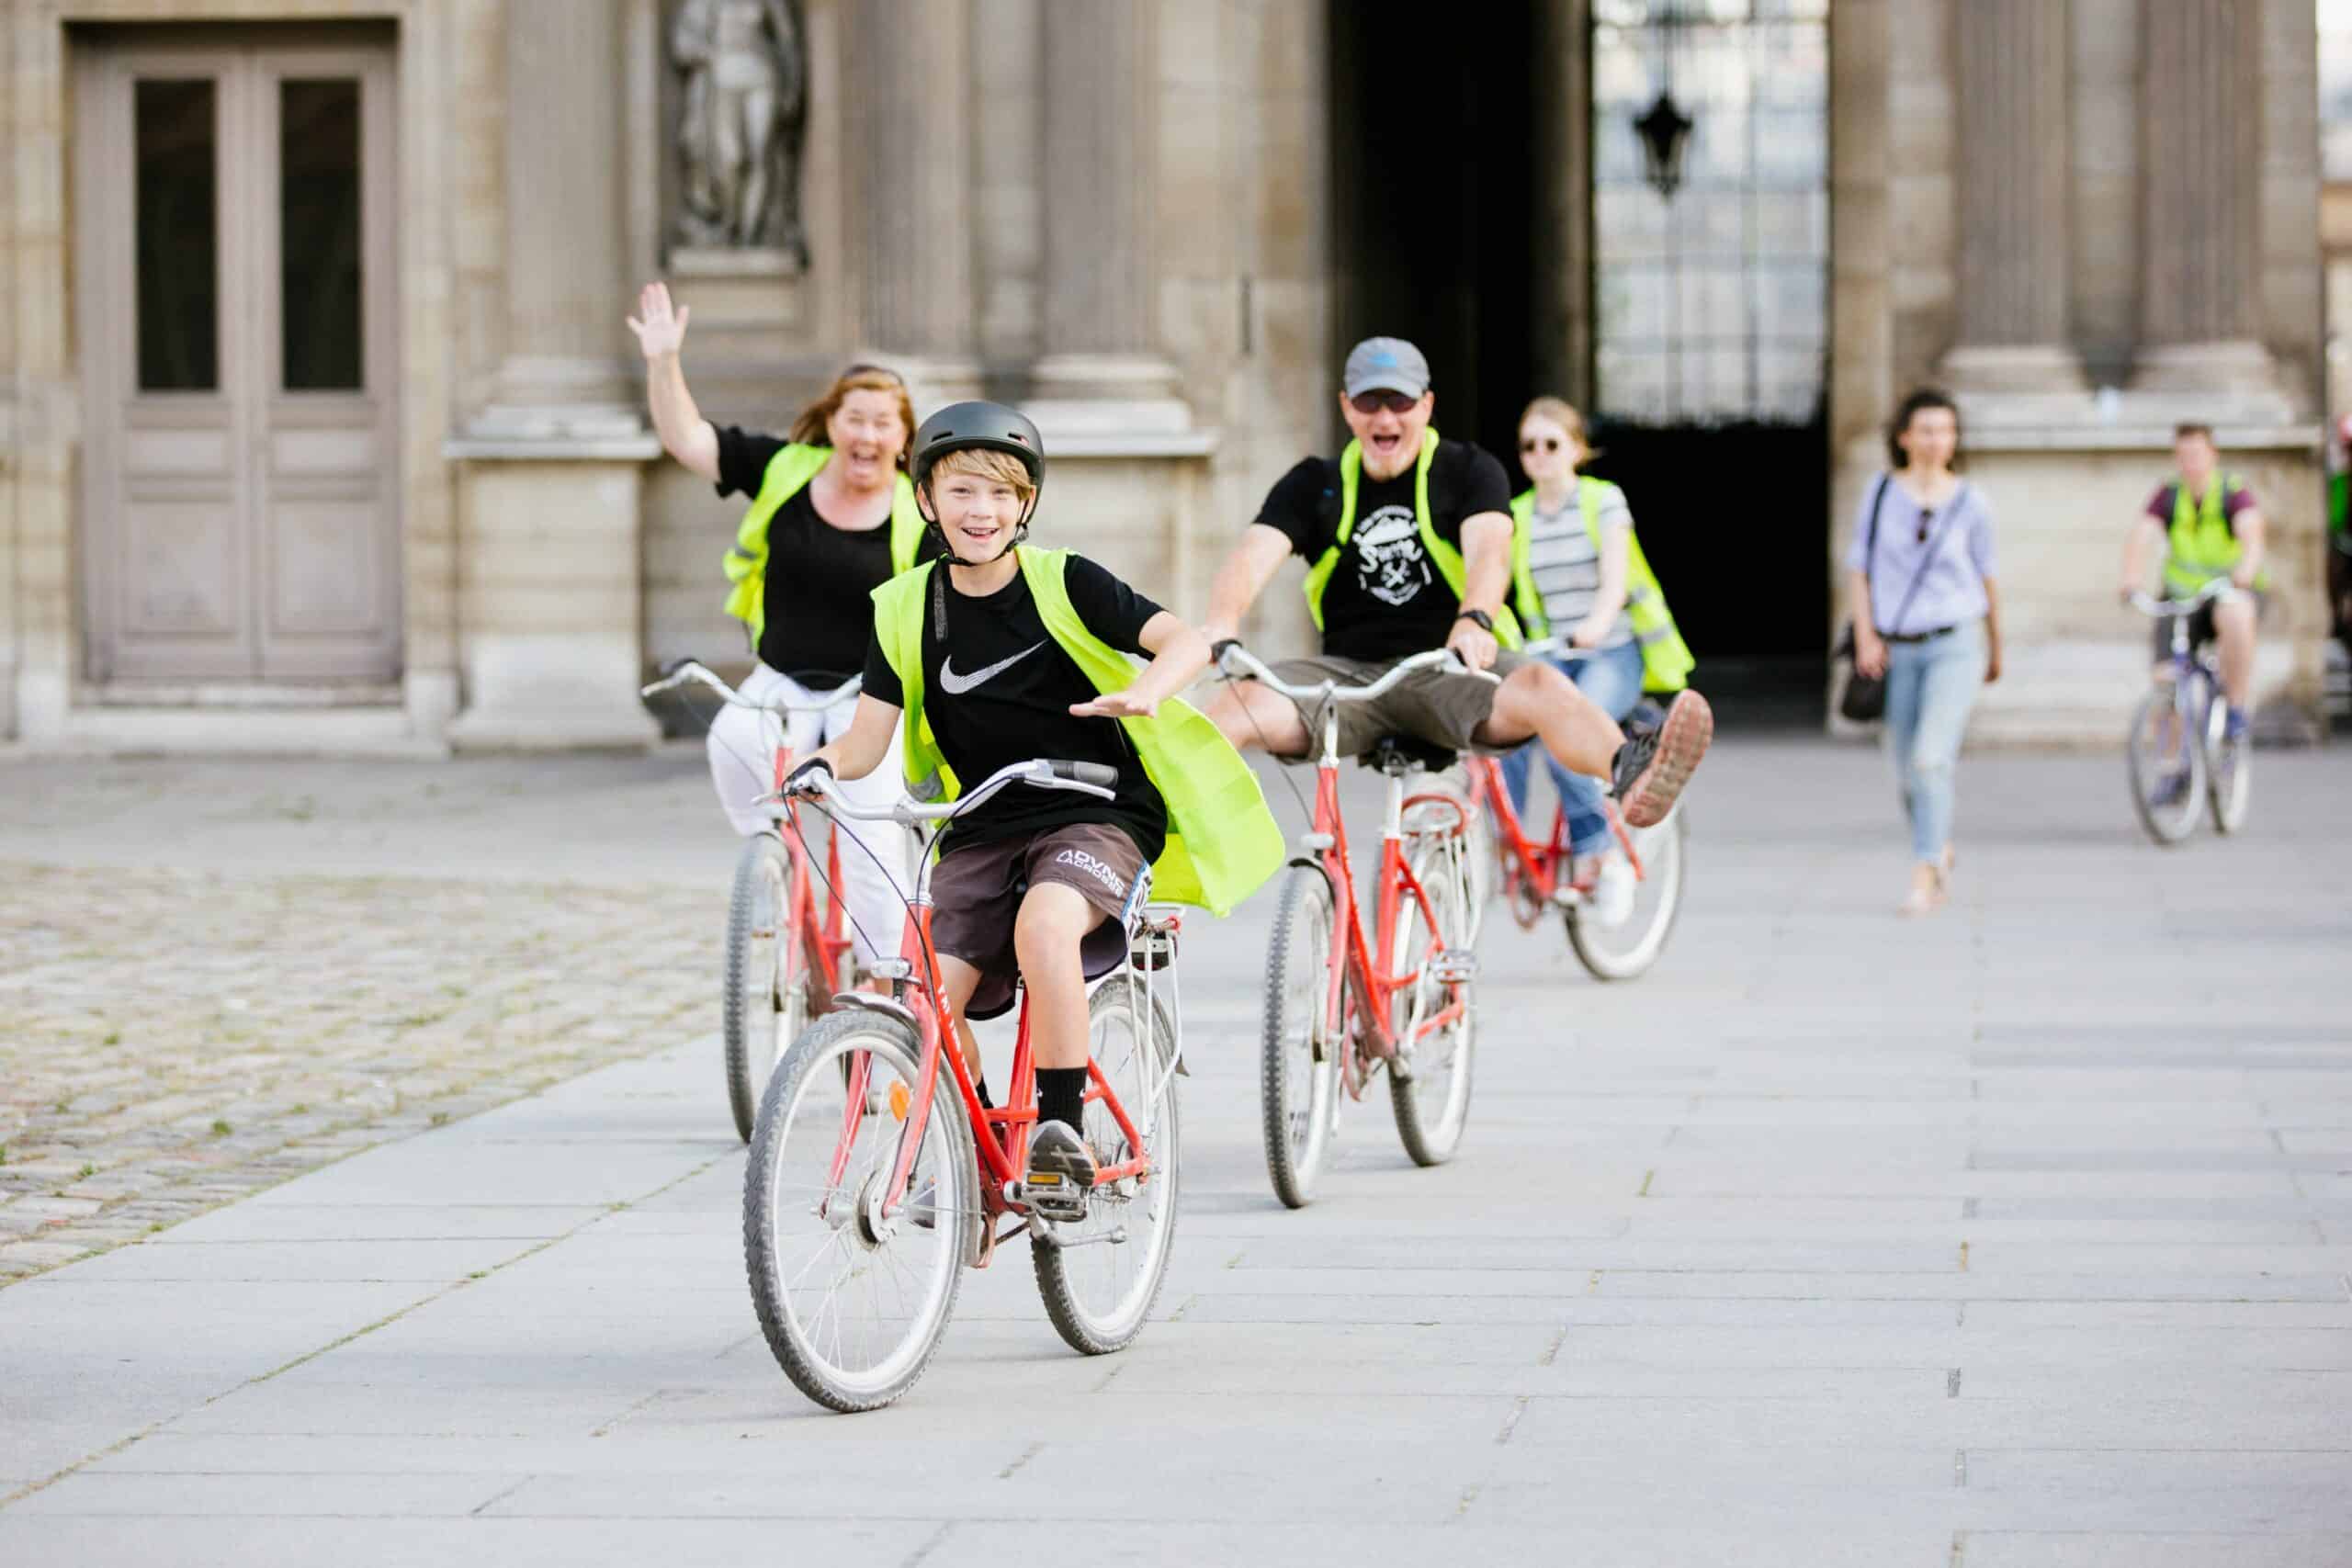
(1566, 565)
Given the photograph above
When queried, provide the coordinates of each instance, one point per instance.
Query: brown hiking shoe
(1653, 765)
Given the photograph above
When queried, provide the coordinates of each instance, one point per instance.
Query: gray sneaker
(1653, 765)
(1058, 1158)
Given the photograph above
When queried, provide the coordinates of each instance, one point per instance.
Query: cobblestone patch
(173, 1041)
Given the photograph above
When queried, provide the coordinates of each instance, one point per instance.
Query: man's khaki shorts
(1437, 708)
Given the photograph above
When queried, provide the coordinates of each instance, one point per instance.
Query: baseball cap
(1385, 363)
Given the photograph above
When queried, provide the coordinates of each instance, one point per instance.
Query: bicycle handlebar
(1234, 658)
(694, 672)
(2219, 588)
(1082, 778)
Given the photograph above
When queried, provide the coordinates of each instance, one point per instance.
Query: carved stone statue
(742, 111)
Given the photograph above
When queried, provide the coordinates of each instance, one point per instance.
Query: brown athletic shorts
(1437, 708)
(976, 895)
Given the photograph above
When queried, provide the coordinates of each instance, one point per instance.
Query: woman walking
(1927, 620)
(832, 517)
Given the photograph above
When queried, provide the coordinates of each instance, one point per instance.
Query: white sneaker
(1613, 893)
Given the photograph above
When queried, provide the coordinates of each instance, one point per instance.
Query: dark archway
(1440, 151)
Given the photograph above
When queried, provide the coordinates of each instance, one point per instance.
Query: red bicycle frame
(820, 937)
(1361, 972)
(1000, 1134)
(1525, 863)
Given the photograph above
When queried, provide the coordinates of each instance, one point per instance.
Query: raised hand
(661, 331)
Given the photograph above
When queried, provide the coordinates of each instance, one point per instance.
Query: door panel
(236, 316)
(329, 528)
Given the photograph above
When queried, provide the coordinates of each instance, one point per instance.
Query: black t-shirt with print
(1000, 691)
(818, 617)
(1386, 598)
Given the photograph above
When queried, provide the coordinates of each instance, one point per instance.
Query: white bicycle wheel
(853, 1292)
(1624, 949)
(1429, 1081)
(2166, 763)
(2229, 768)
(1100, 1276)
(764, 1004)
(1300, 1044)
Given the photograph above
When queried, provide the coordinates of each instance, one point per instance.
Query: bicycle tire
(1602, 950)
(1434, 1140)
(810, 1067)
(752, 1024)
(2170, 823)
(1058, 1266)
(2229, 768)
(1305, 921)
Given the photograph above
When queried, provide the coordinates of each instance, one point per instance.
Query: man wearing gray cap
(1407, 542)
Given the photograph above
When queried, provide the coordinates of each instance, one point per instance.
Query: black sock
(980, 1087)
(1061, 1096)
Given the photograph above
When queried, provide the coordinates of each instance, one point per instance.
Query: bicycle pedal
(1454, 966)
(1050, 1197)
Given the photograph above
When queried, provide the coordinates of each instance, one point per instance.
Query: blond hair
(1003, 468)
(1562, 413)
(809, 429)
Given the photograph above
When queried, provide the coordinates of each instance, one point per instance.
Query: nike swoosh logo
(956, 685)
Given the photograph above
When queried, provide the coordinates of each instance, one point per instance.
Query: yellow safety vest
(1221, 841)
(788, 473)
(1666, 662)
(1448, 559)
(2203, 546)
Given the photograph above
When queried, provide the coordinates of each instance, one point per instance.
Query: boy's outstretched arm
(1178, 651)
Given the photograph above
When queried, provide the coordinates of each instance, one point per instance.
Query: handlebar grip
(674, 665)
(1217, 648)
(1101, 776)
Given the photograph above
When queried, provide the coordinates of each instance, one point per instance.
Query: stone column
(1101, 88)
(2011, 89)
(910, 78)
(550, 473)
(2200, 197)
(564, 372)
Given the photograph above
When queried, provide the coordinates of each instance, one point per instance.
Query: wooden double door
(235, 278)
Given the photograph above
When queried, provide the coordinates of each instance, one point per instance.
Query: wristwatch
(1479, 618)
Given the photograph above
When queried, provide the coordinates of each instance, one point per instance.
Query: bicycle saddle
(1404, 753)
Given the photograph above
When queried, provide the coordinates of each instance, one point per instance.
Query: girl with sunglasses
(1927, 618)
(1577, 573)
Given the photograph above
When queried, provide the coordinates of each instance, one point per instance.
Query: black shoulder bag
(1864, 699)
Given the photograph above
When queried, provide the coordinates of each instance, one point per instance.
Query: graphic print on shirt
(956, 685)
(1391, 565)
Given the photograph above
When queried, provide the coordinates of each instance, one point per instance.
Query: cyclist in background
(1578, 573)
(2210, 526)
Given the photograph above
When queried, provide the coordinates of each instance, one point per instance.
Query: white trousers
(742, 767)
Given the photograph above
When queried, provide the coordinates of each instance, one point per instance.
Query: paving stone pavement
(2015, 1237)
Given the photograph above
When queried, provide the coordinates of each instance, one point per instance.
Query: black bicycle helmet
(989, 427)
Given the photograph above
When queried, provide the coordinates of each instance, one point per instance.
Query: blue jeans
(1931, 687)
(1611, 677)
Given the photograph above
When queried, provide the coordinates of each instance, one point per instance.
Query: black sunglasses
(1542, 444)
(1373, 402)
(864, 369)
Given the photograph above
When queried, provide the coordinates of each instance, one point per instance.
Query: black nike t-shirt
(998, 690)
(1386, 598)
(815, 595)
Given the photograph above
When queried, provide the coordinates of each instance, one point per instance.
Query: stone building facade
(320, 428)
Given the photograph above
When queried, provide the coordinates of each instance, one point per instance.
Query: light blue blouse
(1957, 553)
